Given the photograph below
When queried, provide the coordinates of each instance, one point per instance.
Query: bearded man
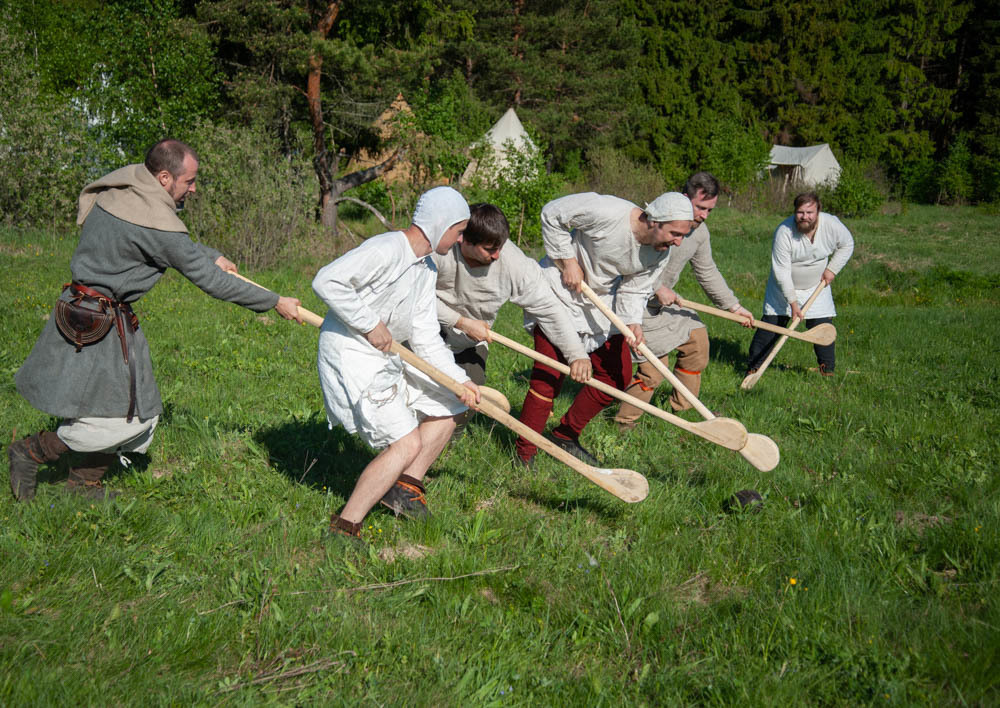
(91, 366)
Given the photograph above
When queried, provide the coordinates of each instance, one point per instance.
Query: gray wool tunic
(124, 261)
(673, 325)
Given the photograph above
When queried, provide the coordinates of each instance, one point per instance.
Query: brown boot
(26, 455)
(86, 473)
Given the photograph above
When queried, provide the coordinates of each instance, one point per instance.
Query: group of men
(436, 286)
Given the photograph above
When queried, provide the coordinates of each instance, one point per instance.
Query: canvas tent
(508, 128)
(805, 166)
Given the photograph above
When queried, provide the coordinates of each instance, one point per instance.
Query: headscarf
(437, 211)
(132, 194)
(670, 206)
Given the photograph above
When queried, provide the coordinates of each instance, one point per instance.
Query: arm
(338, 283)
(844, 248)
(426, 341)
(707, 273)
(559, 218)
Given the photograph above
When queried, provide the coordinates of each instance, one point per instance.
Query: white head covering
(437, 211)
(670, 206)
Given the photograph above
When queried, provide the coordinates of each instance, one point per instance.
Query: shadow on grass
(728, 352)
(308, 452)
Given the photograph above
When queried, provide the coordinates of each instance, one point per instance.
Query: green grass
(208, 581)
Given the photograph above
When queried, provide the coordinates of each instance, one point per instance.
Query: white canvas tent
(508, 128)
(805, 166)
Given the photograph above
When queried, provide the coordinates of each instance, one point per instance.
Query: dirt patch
(920, 522)
(264, 319)
(409, 551)
(490, 596)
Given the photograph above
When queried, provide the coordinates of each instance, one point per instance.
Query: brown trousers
(692, 358)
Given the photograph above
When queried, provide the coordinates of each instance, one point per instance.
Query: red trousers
(612, 365)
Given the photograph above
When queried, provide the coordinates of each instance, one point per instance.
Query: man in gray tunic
(667, 325)
(91, 365)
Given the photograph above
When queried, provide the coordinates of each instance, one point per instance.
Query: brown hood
(132, 194)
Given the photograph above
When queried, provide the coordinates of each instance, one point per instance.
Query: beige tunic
(671, 326)
(595, 229)
(480, 292)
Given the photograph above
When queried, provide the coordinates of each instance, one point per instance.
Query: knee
(693, 355)
(409, 446)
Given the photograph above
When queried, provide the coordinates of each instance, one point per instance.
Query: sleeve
(425, 337)
(532, 292)
(710, 279)
(338, 283)
(844, 247)
(446, 316)
(781, 262)
(170, 249)
(212, 254)
(560, 217)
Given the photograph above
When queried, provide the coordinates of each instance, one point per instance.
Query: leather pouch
(84, 320)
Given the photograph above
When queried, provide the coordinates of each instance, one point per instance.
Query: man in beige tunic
(667, 325)
(476, 277)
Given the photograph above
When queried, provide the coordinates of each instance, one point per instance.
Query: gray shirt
(124, 261)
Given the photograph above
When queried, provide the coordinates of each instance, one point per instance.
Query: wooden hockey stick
(822, 334)
(751, 379)
(759, 450)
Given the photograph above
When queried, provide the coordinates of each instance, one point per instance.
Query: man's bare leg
(381, 473)
(434, 435)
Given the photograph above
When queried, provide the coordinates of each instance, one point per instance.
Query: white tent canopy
(808, 166)
(507, 130)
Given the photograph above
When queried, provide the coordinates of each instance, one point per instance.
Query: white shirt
(380, 280)
(797, 265)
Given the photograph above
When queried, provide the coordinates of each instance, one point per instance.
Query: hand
(666, 296)
(572, 274)
(477, 330)
(472, 396)
(580, 370)
(288, 307)
(380, 337)
(828, 276)
(744, 312)
(228, 266)
(639, 337)
(796, 311)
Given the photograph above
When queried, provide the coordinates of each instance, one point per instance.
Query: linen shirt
(596, 230)
(479, 292)
(380, 280)
(797, 265)
(671, 326)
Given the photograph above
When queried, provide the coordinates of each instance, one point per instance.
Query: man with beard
(669, 326)
(809, 247)
(91, 365)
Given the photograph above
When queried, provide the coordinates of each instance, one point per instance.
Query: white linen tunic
(366, 391)
(479, 292)
(595, 229)
(797, 265)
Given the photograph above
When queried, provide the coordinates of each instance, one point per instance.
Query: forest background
(280, 97)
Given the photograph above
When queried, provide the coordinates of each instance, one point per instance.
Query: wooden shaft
(813, 336)
(753, 378)
(627, 485)
(602, 478)
(647, 352)
(732, 436)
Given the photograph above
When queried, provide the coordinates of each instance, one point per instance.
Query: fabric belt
(126, 323)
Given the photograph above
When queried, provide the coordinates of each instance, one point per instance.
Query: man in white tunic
(667, 325)
(618, 248)
(476, 277)
(809, 247)
(381, 291)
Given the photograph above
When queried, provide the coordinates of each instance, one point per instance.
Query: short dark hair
(487, 226)
(807, 198)
(168, 154)
(704, 181)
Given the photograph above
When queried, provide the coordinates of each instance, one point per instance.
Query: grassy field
(870, 576)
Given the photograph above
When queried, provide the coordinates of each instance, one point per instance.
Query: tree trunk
(342, 184)
(321, 155)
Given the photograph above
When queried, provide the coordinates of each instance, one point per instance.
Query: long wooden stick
(822, 334)
(627, 485)
(726, 432)
(760, 451)
(751, 379)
